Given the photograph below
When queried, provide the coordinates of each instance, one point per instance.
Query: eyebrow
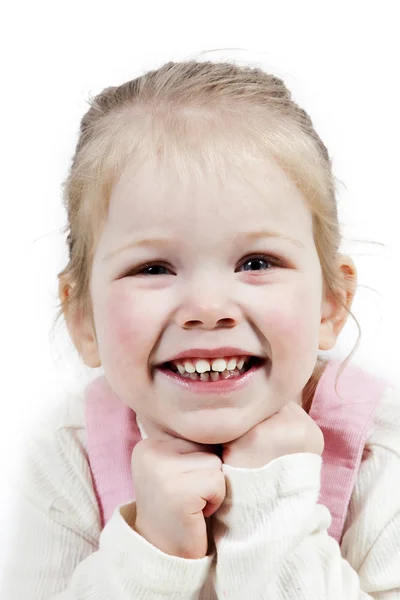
(262, 233)
(151, 242)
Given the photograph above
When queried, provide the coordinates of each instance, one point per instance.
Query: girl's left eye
(258, 263)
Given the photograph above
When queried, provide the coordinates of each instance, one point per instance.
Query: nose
(208, 308)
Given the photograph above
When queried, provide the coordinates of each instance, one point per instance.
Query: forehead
(223, 202)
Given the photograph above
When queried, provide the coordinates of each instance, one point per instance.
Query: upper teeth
(203, 365)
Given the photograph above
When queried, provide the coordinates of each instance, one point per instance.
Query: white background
(340, 58)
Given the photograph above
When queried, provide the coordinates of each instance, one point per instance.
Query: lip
(222, 352)
(223, 386)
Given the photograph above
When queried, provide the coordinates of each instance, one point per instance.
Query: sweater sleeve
(271, 533)
(57, 551)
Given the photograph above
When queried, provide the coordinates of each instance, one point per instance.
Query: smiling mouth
(212, 370)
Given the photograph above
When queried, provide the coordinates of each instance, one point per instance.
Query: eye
(154, 270)
(258, 263)
(150, 269)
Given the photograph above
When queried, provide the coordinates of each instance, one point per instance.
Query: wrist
(180, 547)
(283, 476)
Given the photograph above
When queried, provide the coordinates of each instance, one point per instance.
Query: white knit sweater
(271, 534)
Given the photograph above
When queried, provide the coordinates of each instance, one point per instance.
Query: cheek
(292, 330)
(292, 321)
(126, 325)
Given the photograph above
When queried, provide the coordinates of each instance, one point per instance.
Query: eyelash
(272, 260)
(139, 270)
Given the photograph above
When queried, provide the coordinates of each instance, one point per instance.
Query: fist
(178, 484)
(289, 431)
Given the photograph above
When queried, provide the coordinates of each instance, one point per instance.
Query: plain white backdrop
(340, 58)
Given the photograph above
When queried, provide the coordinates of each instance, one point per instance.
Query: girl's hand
(177, 484)
(289, 431)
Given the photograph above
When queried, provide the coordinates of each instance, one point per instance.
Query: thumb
(216, 496)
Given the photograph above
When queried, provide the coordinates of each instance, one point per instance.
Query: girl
(204, 278)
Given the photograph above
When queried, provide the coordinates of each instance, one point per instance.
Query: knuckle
(146, 459)
(217, 479)
(214, 462)
(220, 479)
(138, 453)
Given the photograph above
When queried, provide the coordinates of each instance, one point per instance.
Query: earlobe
(88, 348)
(80, 328)
(336, 305)
(328, 333)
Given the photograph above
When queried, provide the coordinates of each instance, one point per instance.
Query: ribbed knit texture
(271, 533)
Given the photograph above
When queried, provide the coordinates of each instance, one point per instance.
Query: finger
(296, 408)
(216, 498)
(166, 438)
(208, 485)
(181, 446)
(200, 461)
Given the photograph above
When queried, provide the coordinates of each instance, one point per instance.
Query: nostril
(193, 324)
(226, 322)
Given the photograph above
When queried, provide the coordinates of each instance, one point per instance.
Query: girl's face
(207, 272)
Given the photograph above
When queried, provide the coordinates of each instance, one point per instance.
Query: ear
(336, 308)
(80, 326)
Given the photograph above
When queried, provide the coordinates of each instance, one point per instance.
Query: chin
(213, 429)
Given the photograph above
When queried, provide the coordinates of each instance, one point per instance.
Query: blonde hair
(196, 116)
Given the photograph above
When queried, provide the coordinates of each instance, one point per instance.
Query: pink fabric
(345, 421)
(112, 433)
